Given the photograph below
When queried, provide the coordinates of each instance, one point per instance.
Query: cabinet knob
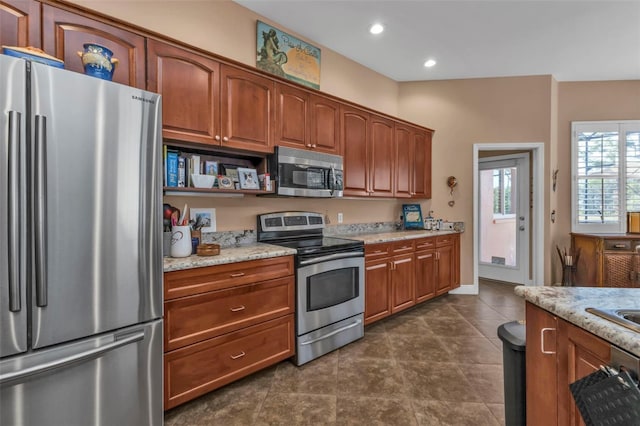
(225, 139)
(313, 146)
(217, 137)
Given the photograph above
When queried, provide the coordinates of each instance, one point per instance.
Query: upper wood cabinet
(306, 121)
(367, 141)
(19, 23)
(207, 102)
(64, 33)
(324, 126)
(189, 83)
(412, 162)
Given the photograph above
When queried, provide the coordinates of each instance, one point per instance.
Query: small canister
(633, 222)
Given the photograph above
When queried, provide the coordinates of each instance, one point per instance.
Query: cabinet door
(585, 353)
(376, 294)
(64, 33)
(19, 23)
(382, 157)
(325, 125)
(292, 117)
(402, 282)
(403, 161)
(425, 275)
(422, 164)
(456, 261)
(445, 263)
(246, 110)
(355, 134)
(189, 84)
(542, 369)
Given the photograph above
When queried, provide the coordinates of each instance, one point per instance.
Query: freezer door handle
(13, 212)
(20, 375)
(40, 178)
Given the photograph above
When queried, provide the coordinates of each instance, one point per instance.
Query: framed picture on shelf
(225, 182)
(248, 178)
(206, 217)
(211, 168)
(230, 170)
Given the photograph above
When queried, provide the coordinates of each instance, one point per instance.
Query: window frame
(621, 127)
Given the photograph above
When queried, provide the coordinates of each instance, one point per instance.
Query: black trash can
(513, 338)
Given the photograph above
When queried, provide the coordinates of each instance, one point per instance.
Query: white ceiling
(573, 40)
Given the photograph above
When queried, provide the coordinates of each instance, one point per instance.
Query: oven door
(329, 289)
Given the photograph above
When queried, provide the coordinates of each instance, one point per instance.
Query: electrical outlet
(340, 217)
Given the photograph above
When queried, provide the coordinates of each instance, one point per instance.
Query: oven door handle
(330, 257)
(333, 333)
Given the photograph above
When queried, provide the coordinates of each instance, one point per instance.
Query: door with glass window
(504, 229)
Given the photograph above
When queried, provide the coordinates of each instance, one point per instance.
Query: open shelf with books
(195, 172)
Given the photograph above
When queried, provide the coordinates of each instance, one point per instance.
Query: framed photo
(230, 170)
(211, 168)
(248, 178)
(206, 217)
(286, 56)
(225, 182)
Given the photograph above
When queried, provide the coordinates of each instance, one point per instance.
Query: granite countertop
(569, 303)
(385, 237)
(227, 255)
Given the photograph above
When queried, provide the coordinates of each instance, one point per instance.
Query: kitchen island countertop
(570, 303)
(227, 255)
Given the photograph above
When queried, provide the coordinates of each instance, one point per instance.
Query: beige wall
(585, 101)
(228, 29)
(469, 111)
(463, 112)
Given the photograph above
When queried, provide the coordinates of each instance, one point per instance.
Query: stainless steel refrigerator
(80, 249)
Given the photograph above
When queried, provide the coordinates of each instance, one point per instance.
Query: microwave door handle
(332, 180)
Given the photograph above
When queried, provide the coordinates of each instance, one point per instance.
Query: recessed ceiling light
(429, 63)
(376, 29)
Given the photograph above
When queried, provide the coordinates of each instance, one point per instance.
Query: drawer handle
(377, 251)
(237, 275)
(240, 355)
(542, 331)
(238, 309)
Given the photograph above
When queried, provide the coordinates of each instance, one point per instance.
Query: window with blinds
(606, 175)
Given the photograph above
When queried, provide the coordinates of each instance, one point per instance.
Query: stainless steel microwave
(301, 173)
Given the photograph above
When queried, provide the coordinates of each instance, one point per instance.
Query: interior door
(98, 261)
(504, 218)
(13, 223)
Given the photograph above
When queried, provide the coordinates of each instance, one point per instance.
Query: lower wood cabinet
(224, 322)
(400, 274)
(558, 353)
(197, 369)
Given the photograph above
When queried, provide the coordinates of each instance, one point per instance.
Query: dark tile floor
(439, 363)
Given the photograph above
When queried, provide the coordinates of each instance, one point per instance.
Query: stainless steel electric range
(329, 281)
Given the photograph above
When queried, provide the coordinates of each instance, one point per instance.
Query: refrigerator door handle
(13, 212)
(40, 179)
(20, 375)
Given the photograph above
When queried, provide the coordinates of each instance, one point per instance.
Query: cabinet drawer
(195, 318)
(425, 243)
(444, 240)
(201, 280)
(197, 369)
(376, 251)
(403, 247)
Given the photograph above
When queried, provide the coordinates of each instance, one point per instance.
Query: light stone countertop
(385, 237)
(570, 303)
(227, 255)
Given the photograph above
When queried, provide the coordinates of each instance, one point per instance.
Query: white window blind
(606, 175)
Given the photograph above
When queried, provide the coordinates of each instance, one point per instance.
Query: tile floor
(439, 363)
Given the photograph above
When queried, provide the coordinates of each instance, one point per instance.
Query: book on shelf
(172, 168)
(182, 170)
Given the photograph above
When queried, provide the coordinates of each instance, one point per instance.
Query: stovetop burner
(319, 245)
